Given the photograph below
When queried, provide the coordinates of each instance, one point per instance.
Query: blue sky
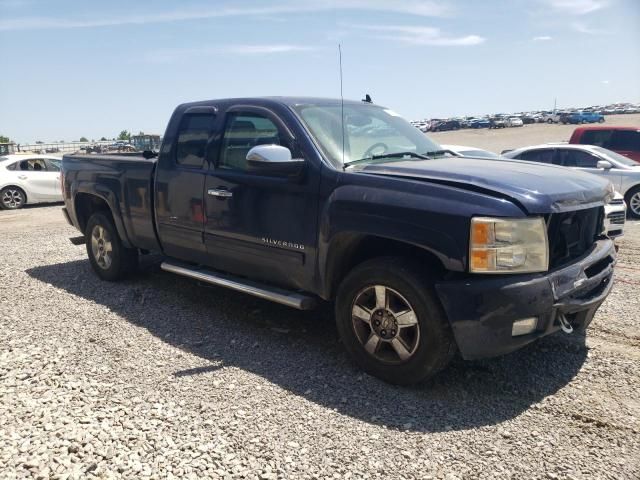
(76, 68)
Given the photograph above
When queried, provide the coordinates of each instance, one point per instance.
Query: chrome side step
(278, 295)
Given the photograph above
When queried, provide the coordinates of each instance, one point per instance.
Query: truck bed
(128, 177)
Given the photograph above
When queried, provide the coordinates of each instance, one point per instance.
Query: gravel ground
(159, 377)
(511, 138)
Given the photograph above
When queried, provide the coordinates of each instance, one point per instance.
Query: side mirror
(273, 160)
(605, 164)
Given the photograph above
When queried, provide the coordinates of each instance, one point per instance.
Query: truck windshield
(370, 133)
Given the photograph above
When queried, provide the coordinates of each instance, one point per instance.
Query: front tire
(391, 323)
(633, 202)
(12, 198)
(110, 259)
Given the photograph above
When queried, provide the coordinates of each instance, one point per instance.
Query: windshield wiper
(398, 155)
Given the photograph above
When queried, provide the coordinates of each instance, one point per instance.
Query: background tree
(124, 135)
(4, 139)
(103, 139)
(84, 139)
(39, 142)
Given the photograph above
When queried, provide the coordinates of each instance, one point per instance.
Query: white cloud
(542, 38)
(426, 8)
(577, 7)
(421, 35)
(169, 55)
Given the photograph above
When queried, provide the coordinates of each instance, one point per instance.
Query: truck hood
(538, 189)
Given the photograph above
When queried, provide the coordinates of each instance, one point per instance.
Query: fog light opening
(524, 326)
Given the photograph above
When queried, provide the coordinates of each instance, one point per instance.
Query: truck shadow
(299, 351)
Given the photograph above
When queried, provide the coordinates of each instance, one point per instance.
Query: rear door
(260, 226)
(179, 187)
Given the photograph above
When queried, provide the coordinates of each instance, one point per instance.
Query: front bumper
(482, 309)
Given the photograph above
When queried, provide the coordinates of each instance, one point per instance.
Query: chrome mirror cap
(269, 153)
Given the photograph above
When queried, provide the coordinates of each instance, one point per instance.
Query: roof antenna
(341, 102)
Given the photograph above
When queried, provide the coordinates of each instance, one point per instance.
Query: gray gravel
(158, 377)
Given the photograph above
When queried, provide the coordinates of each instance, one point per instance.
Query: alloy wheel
(101, 247)
(12, 198)
(634, 203)
(385, 324)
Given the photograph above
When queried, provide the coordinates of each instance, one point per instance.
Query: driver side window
(242, 132)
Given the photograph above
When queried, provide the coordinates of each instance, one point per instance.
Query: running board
(277, 295)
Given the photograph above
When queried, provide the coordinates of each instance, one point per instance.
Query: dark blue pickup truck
(305, 200)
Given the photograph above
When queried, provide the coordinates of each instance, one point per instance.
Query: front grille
(616, 218)
(571, 234)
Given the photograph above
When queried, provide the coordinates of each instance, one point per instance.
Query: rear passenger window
(599, 138)
(193, 136)
(625, 140)
(242, 133)
(540, 156)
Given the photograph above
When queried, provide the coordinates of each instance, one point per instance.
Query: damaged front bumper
(482, 309)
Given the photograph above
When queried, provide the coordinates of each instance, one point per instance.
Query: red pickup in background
(622, 140)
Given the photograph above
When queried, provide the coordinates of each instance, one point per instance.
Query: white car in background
(615, 214)
(514, 122)
(621, 171)
(27, 179)
(474, 152)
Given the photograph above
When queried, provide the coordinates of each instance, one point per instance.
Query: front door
(260, 226)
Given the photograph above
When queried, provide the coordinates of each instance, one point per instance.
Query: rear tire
(12, 198)
(110, 259)
(391, 322)
(633, 202)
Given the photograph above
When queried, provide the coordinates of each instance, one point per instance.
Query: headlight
(499, 245)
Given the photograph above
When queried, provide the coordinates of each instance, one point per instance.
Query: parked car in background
(27, 179)
(583, 117)
(615, 215)
(514, 122)
(622, 172)
(528, 119)
(622, 140)
(553, 117)
(474, 152)
(480, 123)
(497, 122)
(446, 125)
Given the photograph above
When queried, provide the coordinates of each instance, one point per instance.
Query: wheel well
(350, 250)
(86, 205)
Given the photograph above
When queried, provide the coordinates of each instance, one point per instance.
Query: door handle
(220, 192)
(22, 177)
